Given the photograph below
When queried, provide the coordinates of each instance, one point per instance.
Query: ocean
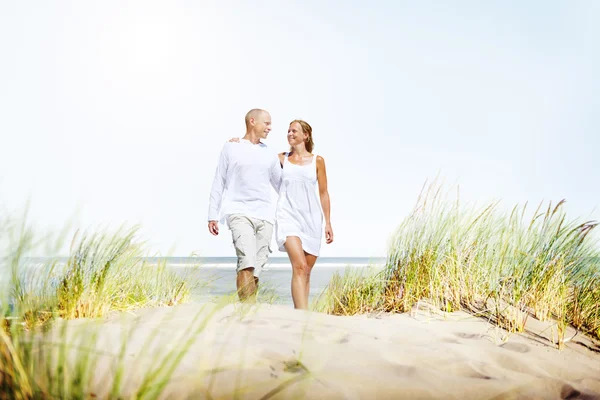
(218, 275)
(275, 280)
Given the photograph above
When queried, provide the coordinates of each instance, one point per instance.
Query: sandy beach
(273, 351)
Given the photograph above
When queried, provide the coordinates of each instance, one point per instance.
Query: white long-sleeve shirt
(242, 182)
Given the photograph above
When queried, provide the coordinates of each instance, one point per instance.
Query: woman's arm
(324, 194)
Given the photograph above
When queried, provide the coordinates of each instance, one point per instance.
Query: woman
(299, 216)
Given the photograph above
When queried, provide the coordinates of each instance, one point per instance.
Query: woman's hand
(234, 139)
(328, 234)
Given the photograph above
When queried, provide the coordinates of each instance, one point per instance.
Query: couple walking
(241, 197)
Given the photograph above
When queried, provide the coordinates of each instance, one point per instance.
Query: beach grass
(64, 361)
(506, 265)
(353, 292)
(104, 273)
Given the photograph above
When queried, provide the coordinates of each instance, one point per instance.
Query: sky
(115, 112)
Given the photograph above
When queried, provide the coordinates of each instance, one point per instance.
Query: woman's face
(295, 134)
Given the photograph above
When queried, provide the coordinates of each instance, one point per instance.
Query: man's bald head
(258, 125)
(256, 114)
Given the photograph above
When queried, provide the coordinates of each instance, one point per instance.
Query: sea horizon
(221, 261)
(218, 274)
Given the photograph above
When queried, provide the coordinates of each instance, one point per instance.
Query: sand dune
(269, 351)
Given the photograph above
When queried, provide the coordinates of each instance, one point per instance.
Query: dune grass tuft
(508, 265)
(354, 292)
(104, 272)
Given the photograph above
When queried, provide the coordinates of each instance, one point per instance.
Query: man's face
(262, 125)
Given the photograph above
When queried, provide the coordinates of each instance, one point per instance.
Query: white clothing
(299, 210)
(241, 183)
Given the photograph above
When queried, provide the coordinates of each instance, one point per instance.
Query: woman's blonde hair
(306, 128)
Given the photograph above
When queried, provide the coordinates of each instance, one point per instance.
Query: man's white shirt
(245, 173)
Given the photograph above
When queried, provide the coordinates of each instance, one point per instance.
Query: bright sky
(116, 111)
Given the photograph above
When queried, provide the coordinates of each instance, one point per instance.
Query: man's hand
(213, 227)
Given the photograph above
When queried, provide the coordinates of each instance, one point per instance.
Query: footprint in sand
(516, 347)
(328, 336)
(464, 335)
(450, 340)
(405, 371)
(345, 339)
(471, 369)
(255, 322)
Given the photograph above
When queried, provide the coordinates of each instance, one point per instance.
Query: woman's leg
(310, 261)
(300, 271)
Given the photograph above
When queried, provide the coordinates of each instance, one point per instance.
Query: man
(241, 196)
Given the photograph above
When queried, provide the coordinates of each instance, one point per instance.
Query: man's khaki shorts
(251, 239)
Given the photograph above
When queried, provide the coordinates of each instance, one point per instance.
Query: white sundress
(299, 210)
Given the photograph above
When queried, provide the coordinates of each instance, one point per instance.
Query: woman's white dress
(299, 210)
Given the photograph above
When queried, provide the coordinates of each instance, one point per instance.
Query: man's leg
(264, 233)
(246, 285)
(244, 241)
